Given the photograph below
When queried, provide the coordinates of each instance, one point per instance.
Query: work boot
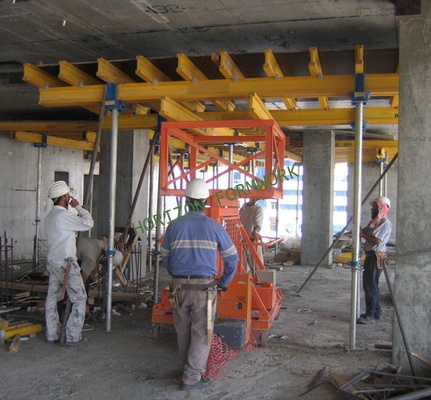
(80, 343)
(202, 384)
(367, 319)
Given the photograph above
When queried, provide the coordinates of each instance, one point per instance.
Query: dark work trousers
(370, 282)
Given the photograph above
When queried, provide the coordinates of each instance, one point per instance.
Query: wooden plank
(14, 347)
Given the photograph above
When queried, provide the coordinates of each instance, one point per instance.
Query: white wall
(18, 182)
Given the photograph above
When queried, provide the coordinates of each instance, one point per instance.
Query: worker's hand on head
(73, 202)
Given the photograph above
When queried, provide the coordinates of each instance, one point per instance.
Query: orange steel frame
(247, 298)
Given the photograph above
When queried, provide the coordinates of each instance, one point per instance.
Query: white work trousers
(77, 296)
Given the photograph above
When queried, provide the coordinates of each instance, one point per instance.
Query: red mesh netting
(221, 353)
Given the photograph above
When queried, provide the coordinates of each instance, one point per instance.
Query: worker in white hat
(189, 252)
(60, 229)
(376, 234)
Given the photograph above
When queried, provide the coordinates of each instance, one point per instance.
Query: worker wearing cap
(251, 216)
(376, 234)
(60, 229)
(189, 254)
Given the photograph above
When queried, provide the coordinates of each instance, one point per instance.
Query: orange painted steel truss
(247, 298)
(273, 152)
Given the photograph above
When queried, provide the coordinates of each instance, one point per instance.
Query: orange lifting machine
(252, 302)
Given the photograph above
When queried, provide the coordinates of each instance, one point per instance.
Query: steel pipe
(356, 234)
(112, 201)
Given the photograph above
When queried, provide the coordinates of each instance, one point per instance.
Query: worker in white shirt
(61, 226)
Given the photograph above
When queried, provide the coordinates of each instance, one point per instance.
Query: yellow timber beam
(150, 73)
(146, 70)
(345, 149)
(74, 76)
(108, 72)
(187, 70)
(395, 100)
(39, 78)
(52, 140)
(48, 126)
(257, 109)
(336, 116)
(211, 90)
(227, 66)
(273, 70)
(316, 70)
(173, 111)
(359, 59)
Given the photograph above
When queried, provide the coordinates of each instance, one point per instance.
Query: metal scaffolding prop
(249, 298)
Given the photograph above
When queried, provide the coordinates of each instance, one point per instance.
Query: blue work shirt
(190, 248)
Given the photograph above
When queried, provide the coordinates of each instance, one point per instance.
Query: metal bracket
(360, 95)
(364, 125)
(112, 103)
(43, 144)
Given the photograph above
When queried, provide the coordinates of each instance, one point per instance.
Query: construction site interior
(313, 108)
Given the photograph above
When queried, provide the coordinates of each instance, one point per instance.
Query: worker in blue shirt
(189, 254)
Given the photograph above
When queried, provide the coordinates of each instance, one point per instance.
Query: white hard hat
(58, 189)
(383, 199)
(197, 189)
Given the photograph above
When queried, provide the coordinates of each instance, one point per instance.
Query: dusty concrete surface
(312, 333)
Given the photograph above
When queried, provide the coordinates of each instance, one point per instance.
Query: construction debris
(378, 385)
(14, 347)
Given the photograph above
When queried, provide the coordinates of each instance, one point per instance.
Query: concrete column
(318, 200)
(370, 174)
(132, 151)
(413, 273)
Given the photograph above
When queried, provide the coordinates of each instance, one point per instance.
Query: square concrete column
(132, 150)
(413, 272)
(318, 197)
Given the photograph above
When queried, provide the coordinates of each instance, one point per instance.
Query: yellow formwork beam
(345, 149)
(395, 100)
(187, 70)
(41, 79)
(74, 76)
(52, 140)
(336, 116)
(108, 72)
(316, 70)
(273, 70)
(228, 68)
(150, 73)
(359, 59)
(48, 126)
(211, 90)
(146, 70)
(257, 109)
(173, 111)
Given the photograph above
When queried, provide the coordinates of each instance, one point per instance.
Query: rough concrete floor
(312, 333)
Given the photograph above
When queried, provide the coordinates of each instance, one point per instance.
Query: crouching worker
(91, 254)
(189, 254)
